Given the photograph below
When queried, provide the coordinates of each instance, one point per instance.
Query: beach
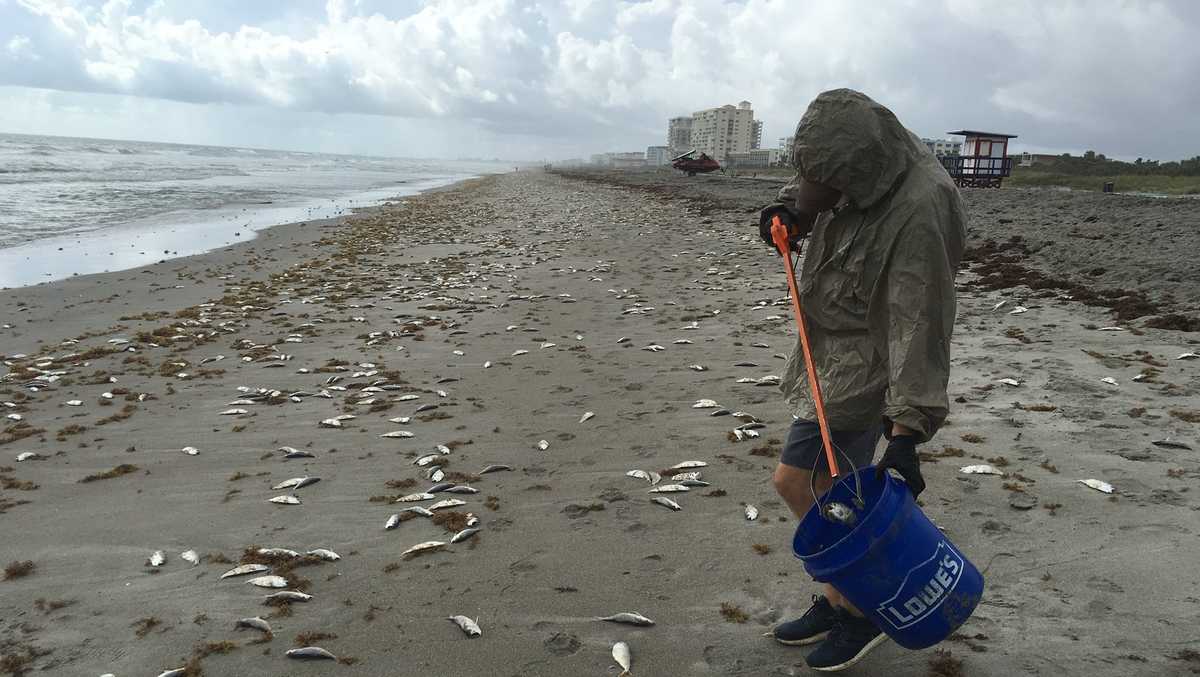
(517, 304)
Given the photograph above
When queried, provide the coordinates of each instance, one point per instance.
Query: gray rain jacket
(877, 284)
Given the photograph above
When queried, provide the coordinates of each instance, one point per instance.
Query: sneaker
(810, 628)
(850, 638)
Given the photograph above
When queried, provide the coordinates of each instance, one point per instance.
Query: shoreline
(136, 245)
(515, 304)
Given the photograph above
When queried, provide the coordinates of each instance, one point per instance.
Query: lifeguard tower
(984, 160)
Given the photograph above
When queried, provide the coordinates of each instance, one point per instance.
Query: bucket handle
(857, 492)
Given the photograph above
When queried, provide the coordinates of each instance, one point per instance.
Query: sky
(554, 79)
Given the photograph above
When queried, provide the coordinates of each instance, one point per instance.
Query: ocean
(73, 206)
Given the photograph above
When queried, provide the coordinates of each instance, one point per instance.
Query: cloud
(588, 74)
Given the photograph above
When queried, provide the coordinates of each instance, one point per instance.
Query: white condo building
(716, 131)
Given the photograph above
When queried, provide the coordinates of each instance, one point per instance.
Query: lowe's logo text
(924, 588)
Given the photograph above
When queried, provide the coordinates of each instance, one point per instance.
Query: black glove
(901, 456)
(765, 217)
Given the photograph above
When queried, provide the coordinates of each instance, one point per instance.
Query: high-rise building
(679, 134)
(756, 135)
(724, 130)
(785, 149)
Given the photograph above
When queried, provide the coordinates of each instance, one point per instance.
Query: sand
(1080, 584)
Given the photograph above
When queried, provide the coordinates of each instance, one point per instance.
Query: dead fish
(288, 596)
(310, 653)
(688, 465)
(751, 513)
(495, 467)
(407, 398)
(464, 535)
(446, 503)
(472, 519)
(411, 498)
(177, 672)
(745, 364)
(983, 469)
(423, 547)
(695, 475)
(254, 623)
(694, 483)
(156, 559)
(1018, 310)
(620, 654)
(666, 503)
(720, 412)
(543, 445)
(697, 367)
(284, 499)
(1188, 356)
(291, 452)
(682, 342)
(190, 451)
(397, 434)
(628, 618)
(1110, 381)
(392, 522)
(425, 407)
(668, 489)
(435, 473)
(705, 404)
(517, 353)
(587, 415)
(462, 489)
(639, 474)
(190, 556)
(243, 569)
(400, 419)
(74, 403)
(439, 487)
(277, 552)
(1098, 485)
(654, 348)
(269, 582)
(466, 625)
(443, 449)
(26, 456)
(1165, 444)
(1008, 382)
(234, 412)
(623, 339)
(427, 459)
(324, 553)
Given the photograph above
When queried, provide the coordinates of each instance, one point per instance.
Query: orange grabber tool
(779, 234)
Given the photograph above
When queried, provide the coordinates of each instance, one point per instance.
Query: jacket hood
(850, 143)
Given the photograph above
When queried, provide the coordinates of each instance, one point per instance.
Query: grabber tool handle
(779, 234)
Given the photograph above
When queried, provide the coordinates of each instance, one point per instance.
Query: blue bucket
(894, 565)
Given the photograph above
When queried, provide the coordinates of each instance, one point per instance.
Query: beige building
(679, 135)
(724, 130)
(758, 157)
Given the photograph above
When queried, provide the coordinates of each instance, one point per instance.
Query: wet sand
(1080, 583)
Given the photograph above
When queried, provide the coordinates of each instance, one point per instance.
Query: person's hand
(901, 456)
(765, 219)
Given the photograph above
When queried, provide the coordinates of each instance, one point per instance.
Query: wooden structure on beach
(984, 160)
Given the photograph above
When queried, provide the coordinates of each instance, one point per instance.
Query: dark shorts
(804, 449)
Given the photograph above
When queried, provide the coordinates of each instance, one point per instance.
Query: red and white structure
(983, 162)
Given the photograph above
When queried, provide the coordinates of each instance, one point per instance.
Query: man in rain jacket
(877, 290)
